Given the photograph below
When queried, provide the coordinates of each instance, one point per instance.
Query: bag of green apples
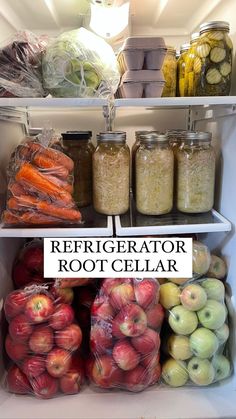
(195, 347)
(42, 344)
(125, 334)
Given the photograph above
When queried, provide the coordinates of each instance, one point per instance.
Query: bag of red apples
(124, 339)
(43, 342)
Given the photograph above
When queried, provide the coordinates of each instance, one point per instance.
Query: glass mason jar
(213, 62)
(169, 70)
(191, 65)
(111, 173)
(175, 137)
(195, 173)
(78, 146)
(133, 152)
(182, 87)
(154, 163)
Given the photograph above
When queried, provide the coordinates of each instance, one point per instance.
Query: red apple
(17, 382)
(125, 355)
(14, 304)
(62, 295)
(85, 297)
(83, 316)
(33, 366)
(108, 285)
(148, 342)
(72, 381)
(20, 329)
(130, 321)
(151, 360)
(100, 339)
(105, 373)
(45, 386)
(102, 310)
(32, 257)
(155, 316)
(121, 295)
(15, 351)
(136, 379)
(154, 375)
(41, 340)
(146, 292)
(69, 338)
(39, 308)
(62, 317)
(21, 275)
(58, 362)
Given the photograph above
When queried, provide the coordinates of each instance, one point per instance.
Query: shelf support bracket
(211, 113)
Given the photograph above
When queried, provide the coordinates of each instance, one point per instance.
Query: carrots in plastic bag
(9, 218)
(29, 217)
(26, 201)
(45, 162)
(62, 183)
(53, 154)
(32, 177)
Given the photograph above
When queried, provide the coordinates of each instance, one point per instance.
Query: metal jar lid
(194, 37)
(138, 133)
(119, 136)
(184, 47)
(215, 24)
(76, 135)
(154, 137)
(175, 133)
(197, 135)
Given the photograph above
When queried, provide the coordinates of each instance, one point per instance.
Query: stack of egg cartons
(140, 61)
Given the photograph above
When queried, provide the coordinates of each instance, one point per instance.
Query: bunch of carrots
(40, 192)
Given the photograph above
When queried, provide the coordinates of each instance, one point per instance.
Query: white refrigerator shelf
(95, 225)
(135, 224)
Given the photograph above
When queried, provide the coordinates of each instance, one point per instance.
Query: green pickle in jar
(111, 173)
(169, 69)
(182, 85)
(195, 173)
(78, 146)
(213, 61)
(191, 68)
(154, 163)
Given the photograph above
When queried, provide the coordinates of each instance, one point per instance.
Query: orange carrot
(45, 162)
(32, 177)
(53, 154)
(16, 189)
(62, 183)
(9, 218)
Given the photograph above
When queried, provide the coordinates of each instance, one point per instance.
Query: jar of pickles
(195, 173)
(182, 88)
(213, 62)
(111, 173)
(169, 70)
(78, 146)
(154, 162)
(190, 67)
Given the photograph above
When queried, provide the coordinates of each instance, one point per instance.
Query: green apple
(222, 333)
(201, 371)
(214, 288)
(174, 373)
(182, 321)
(179, 347)
(222, 367)
(213, 315)
(217, 267)
(203, 343)
(193, 297)
(201, 258)
(169, 295)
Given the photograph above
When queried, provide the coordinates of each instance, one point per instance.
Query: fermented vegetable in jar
(192, 63)
(169, 70)
(213, 62)
(78, 146)
(154, 163)
(133, 152)
(175, 137)
(111, 173)
(195, 173)
(182, 87)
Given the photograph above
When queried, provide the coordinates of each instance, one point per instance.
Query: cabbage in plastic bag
(80, 64)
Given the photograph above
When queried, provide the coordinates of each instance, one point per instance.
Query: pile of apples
(198, 318)
(43, 342)
(124, 339)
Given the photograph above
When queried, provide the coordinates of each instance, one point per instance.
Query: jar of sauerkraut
(175, 137)
(195, 173)
(154, 163)
(182, 87)
(169, 69)
(111, 173)
(133, 152)
(213, 62)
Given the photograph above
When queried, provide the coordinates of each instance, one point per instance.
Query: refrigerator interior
(217, 401)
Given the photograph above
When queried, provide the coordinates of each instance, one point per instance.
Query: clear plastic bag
(124, 339)
(43, 341)
(196, 348)
(21, 66)
(40, 186)
(28, 265)
(80, 64)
